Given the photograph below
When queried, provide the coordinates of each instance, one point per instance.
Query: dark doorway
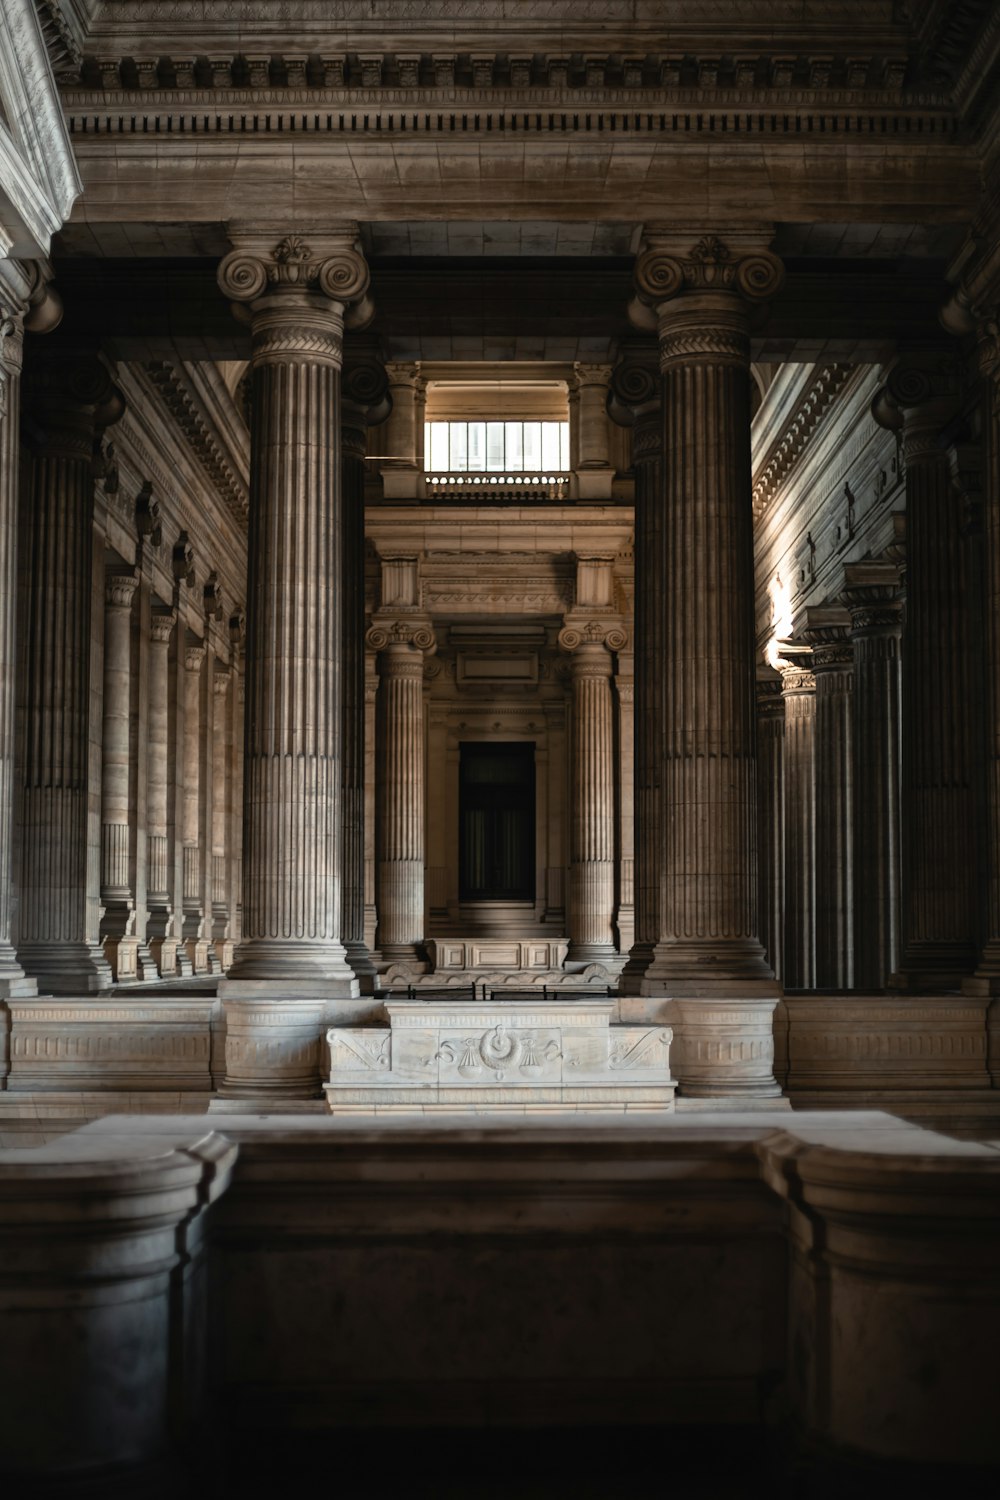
(496, 821)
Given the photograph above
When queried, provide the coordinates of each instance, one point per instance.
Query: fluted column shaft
(193, 893)
(986, 979)
(117, 813)
(938, 887)
(159, 885)
(872, 596)
(221, 749)
(592, 851)
(799, 693)
(708, 807)
(13, 980)
(399, 819)
(635, 402)
(833, 667)
(771, 816)
(59, 916)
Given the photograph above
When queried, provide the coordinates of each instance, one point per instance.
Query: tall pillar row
(827, 631)
(290, 970)
(59, 916)
(708, 960)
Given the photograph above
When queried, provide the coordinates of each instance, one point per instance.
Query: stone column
(193, 894)
(591, 449)
(222, 946)
(13, 980)
(939, 879)
(364, 403)
(290, 969)
(625, 807)
(872, 595)
(771, 815)
(709, 959)
(827, 630)
(59, 917)
(399, 789)
(590, 908)
(401, 440)
(634, 401)
(121, 946)
(161, 926)
(798, 690)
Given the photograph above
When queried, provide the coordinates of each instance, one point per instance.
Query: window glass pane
(477, 444)
(458, 443)
(514, 443)
(532, 445)
(550, 445)
(494, 446)
(439, 454)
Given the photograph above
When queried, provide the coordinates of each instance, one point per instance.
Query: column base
(362, 965)
(15, 984)
(591, 953)
(198, 954)
(122, 953)
(274, 1035)
(163, 952)
(66, 968)
(224, 950)
(639, 959)
(146, 964)
(933, 968)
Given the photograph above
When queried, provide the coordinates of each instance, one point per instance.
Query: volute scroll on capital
(710, 265)
(400, 633)
(594, 633)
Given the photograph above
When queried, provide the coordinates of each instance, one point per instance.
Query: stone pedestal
(13, 980)
(700, 295)
(827, 631)
(401, 441)
(59, 914)
(589, 432)
(798, 690)
(290, 966)
(161, 924)
(871, 594)
(527, 1056)
(399, 789)
(938, 902)
(592, 843)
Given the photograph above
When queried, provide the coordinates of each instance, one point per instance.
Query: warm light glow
(780, 596)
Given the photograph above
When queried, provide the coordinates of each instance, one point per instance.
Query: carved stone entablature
(607, 633)
(197, 433)
(389, 632)
(795, 435)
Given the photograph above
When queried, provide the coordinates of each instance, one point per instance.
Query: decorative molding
(711, 264)
(194, 426)
(795, 435)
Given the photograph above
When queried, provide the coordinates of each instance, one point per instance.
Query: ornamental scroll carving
(246, 276)
(709, 265)
(594, 633)
(400, 633)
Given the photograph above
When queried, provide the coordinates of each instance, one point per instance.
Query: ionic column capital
(592, 640)
(770, 704)
(922, 394)
(296, 294)
(828, 631)
(413, 635)
(70, 399)
(698, 291)
(194, 654)
(161, 625)
(120, 585)
(634, 392)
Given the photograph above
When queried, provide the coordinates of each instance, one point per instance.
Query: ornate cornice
(195, 427)
(792, 440)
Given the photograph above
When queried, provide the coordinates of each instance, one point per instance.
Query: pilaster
(160, 896)
(771, 815)
(589, 431)
(194, 930)
(798, 690)
(118, 814)
(401, 441)
(290, 968)
(221, 750)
